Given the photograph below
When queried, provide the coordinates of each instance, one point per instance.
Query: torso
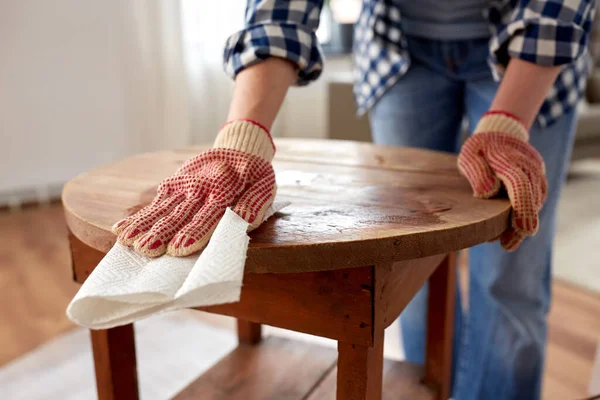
(444, 20)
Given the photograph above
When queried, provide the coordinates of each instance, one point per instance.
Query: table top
(352, 204)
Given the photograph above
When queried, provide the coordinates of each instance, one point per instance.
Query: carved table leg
(115, 363)
(248, 332)
(438, 360)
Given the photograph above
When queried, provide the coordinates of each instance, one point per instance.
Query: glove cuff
(247, 136)
(503, 122)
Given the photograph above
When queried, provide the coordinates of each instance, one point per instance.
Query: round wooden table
(367, 227)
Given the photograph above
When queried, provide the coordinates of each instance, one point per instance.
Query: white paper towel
(126, 286)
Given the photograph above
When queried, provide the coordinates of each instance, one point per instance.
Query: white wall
(85, 82)
(305, 111)
(62, 100)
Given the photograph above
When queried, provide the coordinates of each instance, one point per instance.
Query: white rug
(172, 350)
(577, 247)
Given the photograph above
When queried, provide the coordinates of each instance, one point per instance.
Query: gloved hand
(498, 153)
(235, 173)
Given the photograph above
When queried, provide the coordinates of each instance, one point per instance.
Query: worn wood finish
(248, 332)
(440, 317)
(293, 370)
(360, 370)
(115, 363)
(36, 289)
(300, 301)
(400, 282)
(275, 369)
(359, 367)
(401, 381)
(334, 304)
(352, 204)
(83, 258)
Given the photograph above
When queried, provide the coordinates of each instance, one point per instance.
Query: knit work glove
(499, 154)
(235, 173)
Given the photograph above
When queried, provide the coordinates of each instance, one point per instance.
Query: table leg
(115, 364)
(360, 370)
(248, 332)
(438, 360)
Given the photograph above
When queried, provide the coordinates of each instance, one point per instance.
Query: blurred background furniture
(343, 123)
(587, 140)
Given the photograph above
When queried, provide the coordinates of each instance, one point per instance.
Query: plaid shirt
(550, 33)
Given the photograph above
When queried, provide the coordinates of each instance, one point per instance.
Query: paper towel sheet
(126, 286)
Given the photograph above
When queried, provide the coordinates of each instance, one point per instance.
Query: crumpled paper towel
(126, 286)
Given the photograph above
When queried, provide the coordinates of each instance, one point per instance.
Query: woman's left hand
(498, 153)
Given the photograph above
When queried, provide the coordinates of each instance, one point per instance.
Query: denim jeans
(500, 336)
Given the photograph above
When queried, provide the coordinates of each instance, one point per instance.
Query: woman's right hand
(235, 173)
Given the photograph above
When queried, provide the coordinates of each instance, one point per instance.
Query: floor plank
(399, 380)
(288, 369)
(573, 336)
(35, 283)
(275, 369)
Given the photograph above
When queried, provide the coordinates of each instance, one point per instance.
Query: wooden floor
(35, 279)
(35, 287)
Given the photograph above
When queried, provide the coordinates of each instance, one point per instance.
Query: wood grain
(334, 304)
(35, 288)
(394, 285)
(352, 204)
(400, 382)
(360, 370)
(84, 258)
(248, 332)
(401, 281)
(275, 369)
(293, 370)
(359, 367)
(115, 363)
(299, 301)
(440, 318)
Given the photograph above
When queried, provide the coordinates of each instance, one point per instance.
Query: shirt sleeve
(278, 28)
(545, 32)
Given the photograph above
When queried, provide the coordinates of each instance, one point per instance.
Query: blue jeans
(500, 337)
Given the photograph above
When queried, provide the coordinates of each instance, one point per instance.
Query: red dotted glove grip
(189, 204)
(498, 154)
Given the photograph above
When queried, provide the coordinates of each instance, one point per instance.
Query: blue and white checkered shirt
(550, 32)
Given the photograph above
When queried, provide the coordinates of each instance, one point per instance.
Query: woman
(514, 70)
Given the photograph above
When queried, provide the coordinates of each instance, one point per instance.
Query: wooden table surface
(353, 204)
